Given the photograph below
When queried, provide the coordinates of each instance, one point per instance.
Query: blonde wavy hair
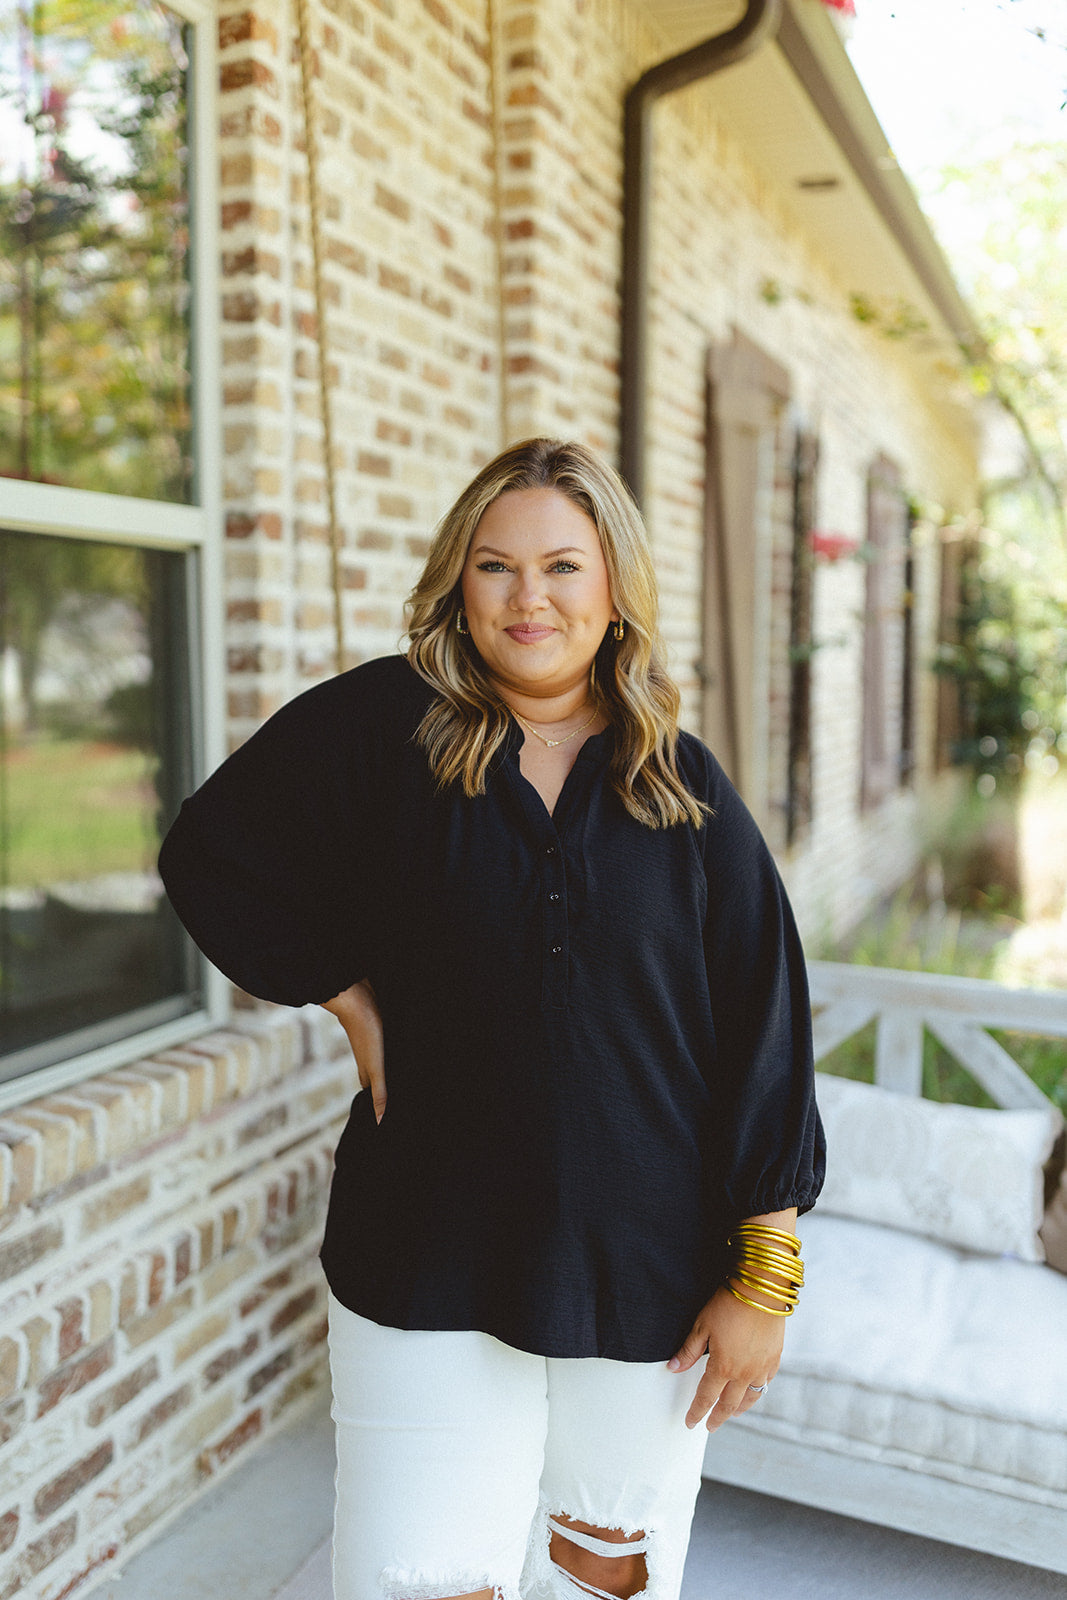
(468, 723)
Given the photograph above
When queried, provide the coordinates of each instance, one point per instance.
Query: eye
(491, 565)
(563, 565)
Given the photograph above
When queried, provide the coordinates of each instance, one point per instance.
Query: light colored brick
(204, 1333)
(181, 1487)
(26, 1161)
(117, 1201)
(215, 1280)
(208, 1419)
(150, 1324)
(12, 1365)
(41, 1334)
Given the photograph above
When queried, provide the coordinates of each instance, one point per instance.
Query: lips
(528, 632)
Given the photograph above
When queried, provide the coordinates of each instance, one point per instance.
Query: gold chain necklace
(554, 743)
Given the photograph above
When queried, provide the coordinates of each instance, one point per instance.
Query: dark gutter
(867, 152)
(759, 22)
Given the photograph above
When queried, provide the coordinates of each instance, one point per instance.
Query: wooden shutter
(955, 554)
(801, 637)
(746, 391)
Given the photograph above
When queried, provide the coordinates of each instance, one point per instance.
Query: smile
(528, 632)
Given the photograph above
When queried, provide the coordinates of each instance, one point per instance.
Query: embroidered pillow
(960, 1174)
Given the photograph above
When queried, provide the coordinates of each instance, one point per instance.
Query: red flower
(831, 546)
(847, 6)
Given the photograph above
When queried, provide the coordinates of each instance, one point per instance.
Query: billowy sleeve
(268, 863)
(772, 1148)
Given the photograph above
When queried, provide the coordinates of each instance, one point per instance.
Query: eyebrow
(487, 550)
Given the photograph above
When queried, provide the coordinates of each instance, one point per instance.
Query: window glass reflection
(94, 246)
(94, 756)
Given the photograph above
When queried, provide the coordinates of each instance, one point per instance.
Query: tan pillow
(960, 1174)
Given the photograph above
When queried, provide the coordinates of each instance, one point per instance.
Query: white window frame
(191, 530)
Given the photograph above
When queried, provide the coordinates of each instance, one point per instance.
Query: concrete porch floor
(263, 1534)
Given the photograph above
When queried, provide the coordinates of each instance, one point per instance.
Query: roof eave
(810, 43)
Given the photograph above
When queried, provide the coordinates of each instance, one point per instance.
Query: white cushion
(961, 1174)
(911, 1351)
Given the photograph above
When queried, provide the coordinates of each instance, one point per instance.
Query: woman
(575, 994)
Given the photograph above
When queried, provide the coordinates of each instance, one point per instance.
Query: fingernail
(378, 1115)
(674, 1365)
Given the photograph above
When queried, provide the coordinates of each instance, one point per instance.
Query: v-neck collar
(594, 753)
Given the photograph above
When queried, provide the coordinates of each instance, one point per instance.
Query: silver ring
(758, 1387)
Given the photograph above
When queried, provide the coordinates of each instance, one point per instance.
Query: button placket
(554, 924)
(544, 837)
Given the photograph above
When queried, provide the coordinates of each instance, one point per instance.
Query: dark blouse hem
(515, 1338)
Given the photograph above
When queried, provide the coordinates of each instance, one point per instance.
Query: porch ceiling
(808, 129)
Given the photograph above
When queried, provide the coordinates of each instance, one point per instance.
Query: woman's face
(536, 593)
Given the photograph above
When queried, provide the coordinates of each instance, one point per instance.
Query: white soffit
(764, 105)
(685, 22)
(782, 134)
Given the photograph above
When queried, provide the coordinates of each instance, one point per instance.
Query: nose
(528, 591)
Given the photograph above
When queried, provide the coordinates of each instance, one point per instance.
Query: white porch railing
(957, 1011)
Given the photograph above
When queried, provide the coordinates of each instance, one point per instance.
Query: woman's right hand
(356, 1009)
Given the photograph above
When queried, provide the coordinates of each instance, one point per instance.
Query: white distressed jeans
(455, 1452)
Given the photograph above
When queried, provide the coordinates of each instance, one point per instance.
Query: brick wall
(160, 1302)
(405, 159)
(470, 160)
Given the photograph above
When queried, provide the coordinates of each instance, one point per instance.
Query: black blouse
(597, 1036)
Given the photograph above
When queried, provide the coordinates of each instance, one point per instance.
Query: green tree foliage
(1010, 657)
(1014, 267)
(39, 575)
(1009, 661)
(94, 242)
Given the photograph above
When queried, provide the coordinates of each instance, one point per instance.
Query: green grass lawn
(1045, 1060)
(76, 809)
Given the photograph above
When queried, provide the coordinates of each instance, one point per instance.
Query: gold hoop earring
(619, 629)
(461, 624)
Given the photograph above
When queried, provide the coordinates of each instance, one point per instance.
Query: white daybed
(924, 1383)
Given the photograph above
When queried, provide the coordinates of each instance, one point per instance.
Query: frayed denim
(456, 1455)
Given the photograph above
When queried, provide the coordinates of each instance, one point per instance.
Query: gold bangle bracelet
(765, 1228)
(759, 1231)
(777, 1258)
(751, 1242)
(752, 1269)
(765, 1253)
(771, 1264)
(787, 1312)
(757, 1281)
(792, 1284)
(791, 1297)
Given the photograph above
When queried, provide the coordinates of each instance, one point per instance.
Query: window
(108, 512)
(886, 638)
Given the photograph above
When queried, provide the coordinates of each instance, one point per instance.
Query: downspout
(759, 22)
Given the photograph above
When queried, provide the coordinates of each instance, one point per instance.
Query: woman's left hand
(743, 1346)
